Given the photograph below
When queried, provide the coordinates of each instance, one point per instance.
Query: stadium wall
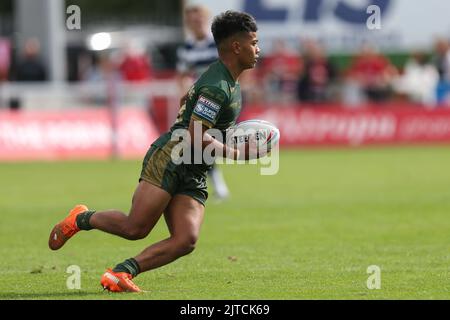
(74, 134)
(93, 134)
(333, 125)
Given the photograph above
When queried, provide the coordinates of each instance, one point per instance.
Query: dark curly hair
(230, 23)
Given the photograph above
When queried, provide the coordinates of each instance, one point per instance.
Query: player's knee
(135, 232)
(186, 248)
(185, 245)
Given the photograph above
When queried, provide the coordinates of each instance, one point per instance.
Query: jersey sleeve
(210, 103)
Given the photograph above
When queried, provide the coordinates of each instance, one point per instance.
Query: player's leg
(184, 217)
(148, 203)
(218, 181)
(158, 178)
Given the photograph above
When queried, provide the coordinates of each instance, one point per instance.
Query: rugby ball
(263, 134)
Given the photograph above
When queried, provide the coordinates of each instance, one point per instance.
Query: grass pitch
(309, 232)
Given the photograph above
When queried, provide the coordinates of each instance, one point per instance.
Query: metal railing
(113, 94)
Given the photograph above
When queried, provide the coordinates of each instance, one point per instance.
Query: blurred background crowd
(143, 43)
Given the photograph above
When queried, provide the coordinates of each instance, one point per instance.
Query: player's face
(249, 53)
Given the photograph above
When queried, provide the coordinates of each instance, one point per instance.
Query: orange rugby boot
(64, 230)
(118, 282)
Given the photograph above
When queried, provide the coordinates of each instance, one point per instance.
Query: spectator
(101, 70)
(373, 73)
(317, 75)
(441, 61)
(199, 49)
(135, 66)
(30, 68)
(5, 58)
(419, 80)
(99, 77)
(252, 93)
(280, 71)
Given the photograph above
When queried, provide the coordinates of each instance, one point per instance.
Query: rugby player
(194, 57)
(177, 191)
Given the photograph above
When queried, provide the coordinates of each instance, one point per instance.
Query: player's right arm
(208, 140)
(206, 111)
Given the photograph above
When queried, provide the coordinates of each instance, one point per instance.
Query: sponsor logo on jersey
(206, 109)
(199, 108)
(208, 103)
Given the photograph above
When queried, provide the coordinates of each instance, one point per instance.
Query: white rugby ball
(265, 134)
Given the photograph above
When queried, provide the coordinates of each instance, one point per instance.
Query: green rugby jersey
(214, 100)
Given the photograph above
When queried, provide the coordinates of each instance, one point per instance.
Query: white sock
(219, 183)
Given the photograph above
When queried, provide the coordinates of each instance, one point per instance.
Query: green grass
(309, 232)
